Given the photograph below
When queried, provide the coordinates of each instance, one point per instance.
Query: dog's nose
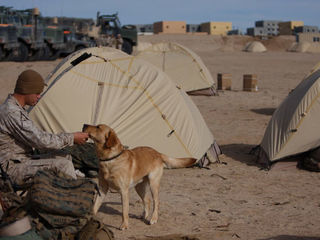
(85, 126)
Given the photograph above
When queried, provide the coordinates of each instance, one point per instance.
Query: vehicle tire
(9, 56)
(126, 47)
(45, 53)
(55, 54)
(23, 53)
(50, 54)
(36, 55)
(1, 54)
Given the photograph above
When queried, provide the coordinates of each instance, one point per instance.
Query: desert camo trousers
(21, 172)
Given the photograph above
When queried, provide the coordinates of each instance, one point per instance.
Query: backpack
(60, 206)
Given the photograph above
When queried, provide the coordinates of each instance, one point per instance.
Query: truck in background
(109, 25)
(25, 35)
(9, 44)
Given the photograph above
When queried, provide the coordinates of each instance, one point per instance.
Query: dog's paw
(124, 226)
(153, 221)
(145, 215)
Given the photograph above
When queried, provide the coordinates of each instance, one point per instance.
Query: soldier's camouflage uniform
(18, 138)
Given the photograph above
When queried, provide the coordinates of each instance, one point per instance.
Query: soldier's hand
(80, 137)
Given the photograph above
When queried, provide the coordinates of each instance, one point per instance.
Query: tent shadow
(288, 237)
(264, 111)
(240, 152)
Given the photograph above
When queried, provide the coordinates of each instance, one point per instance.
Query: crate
(250, 82)
(224, 81)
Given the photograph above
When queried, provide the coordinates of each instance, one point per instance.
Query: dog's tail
(171, 162)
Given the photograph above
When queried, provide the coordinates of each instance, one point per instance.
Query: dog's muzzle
(85, 126)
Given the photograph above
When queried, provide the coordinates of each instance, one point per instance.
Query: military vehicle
(110, 25)
(8, 35)
(36, 40)
(30, 34)
(95, 33)
(54, 42)
(26, 35)
(75, 31)
(75, 41)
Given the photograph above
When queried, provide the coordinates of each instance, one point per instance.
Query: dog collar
(109, 159)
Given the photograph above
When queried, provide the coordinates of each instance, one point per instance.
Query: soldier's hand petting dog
(80, 137)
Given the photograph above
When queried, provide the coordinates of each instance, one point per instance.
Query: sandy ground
(235, 199)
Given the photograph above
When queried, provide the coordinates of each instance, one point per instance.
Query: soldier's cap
(29, 82)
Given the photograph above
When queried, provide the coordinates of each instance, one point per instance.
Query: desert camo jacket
(19, 135)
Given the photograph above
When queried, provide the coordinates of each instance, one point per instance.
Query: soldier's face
(32, 99)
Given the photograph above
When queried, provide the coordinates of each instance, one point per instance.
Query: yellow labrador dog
(120, 169)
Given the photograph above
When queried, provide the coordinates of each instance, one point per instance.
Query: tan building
(286, 28)
(169, 27)
(216, 28)
(309, 37)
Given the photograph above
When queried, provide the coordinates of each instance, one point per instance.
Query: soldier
(19, 136)
(119, 42)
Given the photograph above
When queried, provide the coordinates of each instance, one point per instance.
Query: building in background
(309, 37)
(144, 29)
(287, 28)
(306, 29)
(216, 28)
(170, 27)
(235, 32)
(264, 28)
(191, 28)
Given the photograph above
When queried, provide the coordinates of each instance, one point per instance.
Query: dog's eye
(98, 126)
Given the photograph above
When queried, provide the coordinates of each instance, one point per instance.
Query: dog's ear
(111, 139)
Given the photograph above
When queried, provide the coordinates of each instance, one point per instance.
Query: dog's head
(102, 135)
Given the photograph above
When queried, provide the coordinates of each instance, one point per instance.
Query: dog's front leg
(98, 201)
(103, 189)
(125, 209)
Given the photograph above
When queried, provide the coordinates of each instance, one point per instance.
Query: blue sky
(242, 13)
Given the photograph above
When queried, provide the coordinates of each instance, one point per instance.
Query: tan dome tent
(138, 100)
(254, 46)
(299, 47)
(294, 126)
(183, 66)
(304, 46)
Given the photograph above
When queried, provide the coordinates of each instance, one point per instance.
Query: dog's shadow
(107, 208)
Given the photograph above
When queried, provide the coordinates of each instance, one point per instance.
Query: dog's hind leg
(154, 180)
(141, 189)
